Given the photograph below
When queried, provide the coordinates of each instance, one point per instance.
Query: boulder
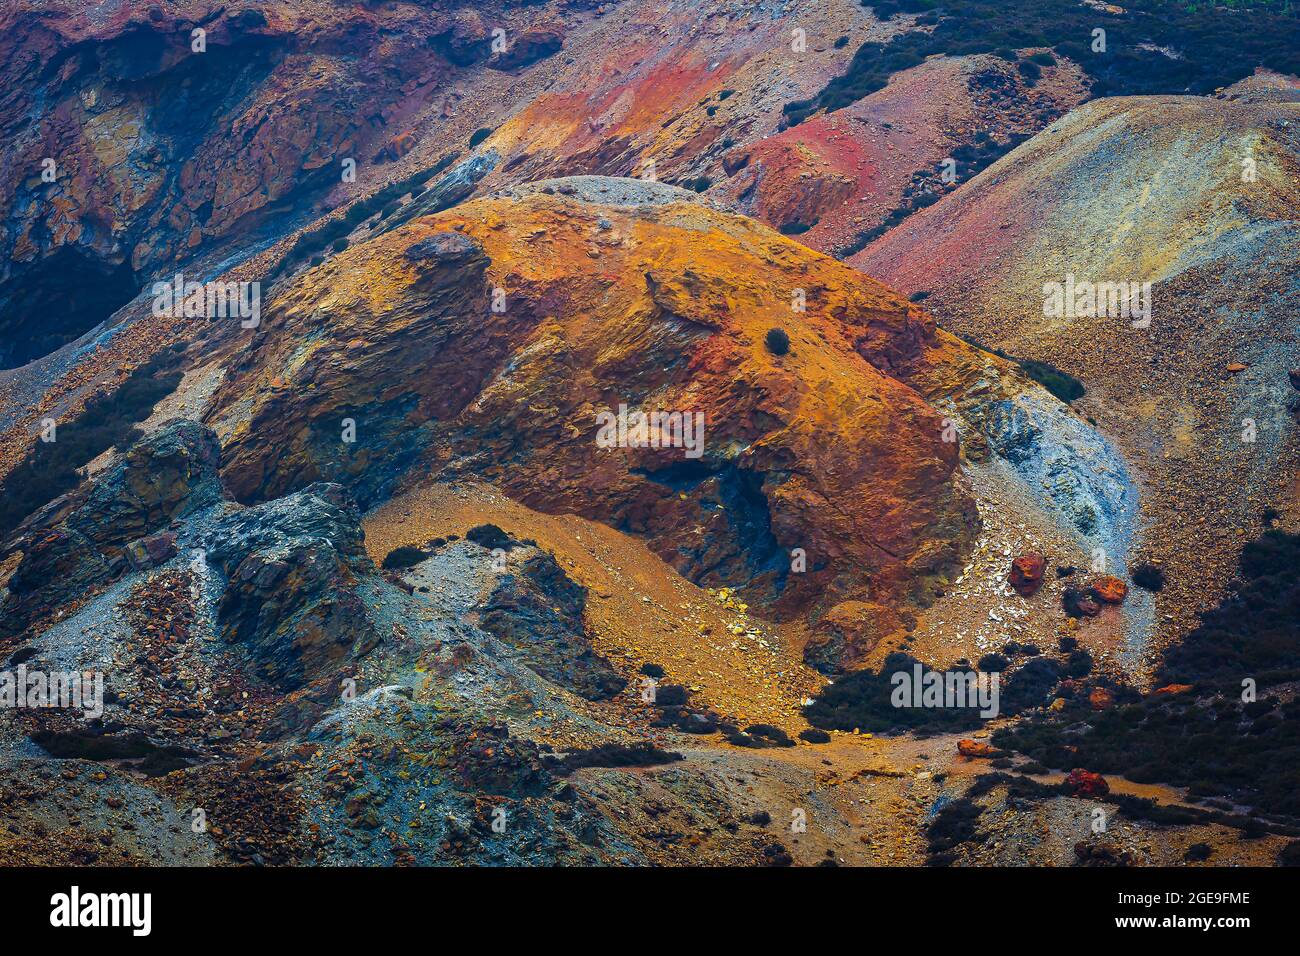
(150, 552)
(397, 147)
(1110, 589)
(443, 248)
(535, 43)
(1026, 575)
(1080, 602)
(972, 749)
(847, 633)
(292, 566)
(538, 611)
(1085, 783)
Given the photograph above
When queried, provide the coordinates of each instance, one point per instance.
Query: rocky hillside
(1196, 196)
(632, 391)
(618, 293)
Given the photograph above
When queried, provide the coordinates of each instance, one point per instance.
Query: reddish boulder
(975, 748)
(1100, 698)
(1085, 783)
(1026, 575)
(397, 147)
(1171, 689)
(1110, 589)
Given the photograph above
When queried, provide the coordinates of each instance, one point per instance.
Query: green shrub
(777, 341)
(404, 556)
(1061, 384)
(1147, 576)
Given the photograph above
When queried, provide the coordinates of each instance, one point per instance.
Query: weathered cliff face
(291, 567)
(102, 530)
(133, 144)
(487, 340)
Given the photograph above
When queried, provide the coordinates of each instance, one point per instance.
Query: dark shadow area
(57, 301)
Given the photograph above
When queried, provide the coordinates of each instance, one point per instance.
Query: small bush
(953, 825)
(777, 341)
(1061, 384)
(1030, 70)
(864, 700)
(991, 663)
(405, 556)
(1255, 631)
(613, 755)
(1147, 576)
(671, 695)
(770, 733)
